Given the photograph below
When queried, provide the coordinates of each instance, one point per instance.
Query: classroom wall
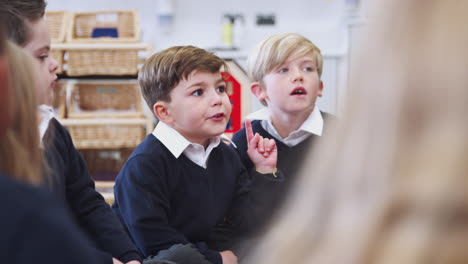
(199, 23)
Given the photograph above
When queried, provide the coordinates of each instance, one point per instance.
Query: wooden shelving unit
(98, 99)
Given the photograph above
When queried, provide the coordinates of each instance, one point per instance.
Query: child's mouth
(299, 91)
(218, 116)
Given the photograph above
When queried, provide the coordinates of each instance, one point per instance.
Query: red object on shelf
(234, 92)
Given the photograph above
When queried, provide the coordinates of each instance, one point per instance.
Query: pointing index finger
(248, 130)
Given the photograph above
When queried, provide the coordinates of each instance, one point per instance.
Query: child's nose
(216, 98)
(53, 65)
(296, 75)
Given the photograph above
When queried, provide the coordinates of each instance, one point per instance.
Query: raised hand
(228, 257)
(262, 151)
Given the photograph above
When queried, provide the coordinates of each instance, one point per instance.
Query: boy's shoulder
(227, 148)
(150, 147)
(56, 129)
(57, 139)
(225, 155)
(150, 157)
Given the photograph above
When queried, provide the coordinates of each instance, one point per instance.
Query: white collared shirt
(177, 144)
(312, 125)
(46, 114)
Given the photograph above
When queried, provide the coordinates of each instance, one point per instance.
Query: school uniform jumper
(269, 195)
(70, 181)
(163, 200)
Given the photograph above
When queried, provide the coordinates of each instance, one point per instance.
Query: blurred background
(330, 24)
(98, 99)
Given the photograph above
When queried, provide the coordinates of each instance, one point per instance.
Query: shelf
(107, 133)
(104, 121)
(101, 46)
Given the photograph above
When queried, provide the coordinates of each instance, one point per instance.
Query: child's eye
(309, 69)
(43, 57)
(198, 92)
(221, 89)
(283, 70)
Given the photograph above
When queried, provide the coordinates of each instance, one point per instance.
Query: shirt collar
(176, 143)
(313, 124)
(46, 113)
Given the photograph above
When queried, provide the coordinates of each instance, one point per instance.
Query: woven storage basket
(102, 62)
(58, 24)
(59, 104)
(58, 56)
(95, 26)
(92, 136)
(105, 164)
(91, 99)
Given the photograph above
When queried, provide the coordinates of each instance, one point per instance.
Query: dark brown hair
(15, 14)
(164, 70)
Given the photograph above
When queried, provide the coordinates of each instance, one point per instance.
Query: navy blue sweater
(164, 201)
(37, 229)
(269, 195)
(70, 182)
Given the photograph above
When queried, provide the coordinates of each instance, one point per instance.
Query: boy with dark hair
(182, 180)
(69, 179)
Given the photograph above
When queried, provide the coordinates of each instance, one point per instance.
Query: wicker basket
(59, 104)
(58, 56)
(58, 24)
(99, 99)
(102, 135)
(98, 61)
(104, 26)
(105, 164)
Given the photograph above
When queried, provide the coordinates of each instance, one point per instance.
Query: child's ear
(320, 89)
(161, 111)
(258, 91)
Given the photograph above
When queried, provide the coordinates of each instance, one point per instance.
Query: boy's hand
(228, 257)
(262, 151)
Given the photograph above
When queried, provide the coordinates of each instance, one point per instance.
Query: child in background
(285, 70)
(183, 179)
(36, 228)
(67, 174)
(389, 183)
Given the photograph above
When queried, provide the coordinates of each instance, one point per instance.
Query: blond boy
(285, 70)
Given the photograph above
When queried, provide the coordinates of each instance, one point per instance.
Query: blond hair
(275, 50)
(389, 183)
(162, 72)
(19, 148)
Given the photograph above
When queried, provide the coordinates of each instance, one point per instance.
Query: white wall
(199, 23)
